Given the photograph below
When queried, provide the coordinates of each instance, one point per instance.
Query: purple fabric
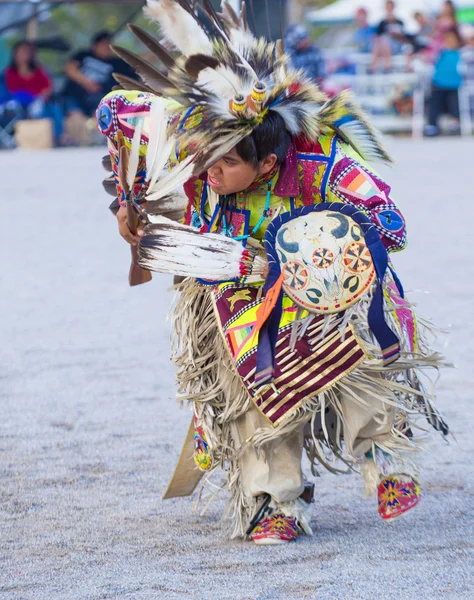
(288, 184)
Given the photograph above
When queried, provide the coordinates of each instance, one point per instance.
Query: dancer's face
(231, 174)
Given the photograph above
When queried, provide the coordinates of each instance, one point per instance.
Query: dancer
(292, 332)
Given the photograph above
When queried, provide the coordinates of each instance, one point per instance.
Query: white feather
(157, 120)
(293, 120)
(173, 180)
(178, 27)
(241, 39)
(365, 141)
(222, 81)
(134, 154)
(182, 250)
(174, 204)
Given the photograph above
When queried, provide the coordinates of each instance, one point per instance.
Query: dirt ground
(90, 431)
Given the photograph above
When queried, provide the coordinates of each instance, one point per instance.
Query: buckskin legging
(278, 472)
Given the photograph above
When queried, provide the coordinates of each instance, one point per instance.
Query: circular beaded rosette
(326, 264)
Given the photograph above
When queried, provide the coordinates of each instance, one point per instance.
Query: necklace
(261, 220)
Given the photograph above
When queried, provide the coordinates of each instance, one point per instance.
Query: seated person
(30, 87)
(364, 34)
(89, 75)
(388, 40)
(304, 54)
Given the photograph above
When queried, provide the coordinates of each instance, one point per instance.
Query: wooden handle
(132, 219)
(137, 275)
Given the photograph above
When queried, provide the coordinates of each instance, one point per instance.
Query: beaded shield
(326, 264)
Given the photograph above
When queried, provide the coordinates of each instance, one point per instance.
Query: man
(388, 38)
(268, 378)
(88, 79)
(304, 54)
(364, 34)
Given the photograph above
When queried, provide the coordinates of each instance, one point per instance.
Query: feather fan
(169, 247)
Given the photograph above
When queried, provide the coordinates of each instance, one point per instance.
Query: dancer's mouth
(213, 182)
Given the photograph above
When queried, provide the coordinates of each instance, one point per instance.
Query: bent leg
(276, 470)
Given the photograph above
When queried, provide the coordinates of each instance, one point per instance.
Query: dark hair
(32, 64)
(270, 137)
(101, 36)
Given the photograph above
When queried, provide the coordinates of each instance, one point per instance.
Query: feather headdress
(228, 81)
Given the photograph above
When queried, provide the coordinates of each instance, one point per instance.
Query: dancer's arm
(354, 183)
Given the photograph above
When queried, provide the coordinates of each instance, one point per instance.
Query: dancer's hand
(124, 230)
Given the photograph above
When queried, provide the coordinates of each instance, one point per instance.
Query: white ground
(89, 432)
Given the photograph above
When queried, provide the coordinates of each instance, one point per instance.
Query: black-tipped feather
(106, 163)
(187, 6)
(109, 186)
(198, 62)
(229, 14)
(127, 83)
(154, 46)
(150, 74)
(194, 9)
(214, 18)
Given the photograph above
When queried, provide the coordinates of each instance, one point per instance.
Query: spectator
(29, 85)
(304, 54)
(89, 75)
(447, 19)
(391, 25)
(364, 33)
(423, 36)
(25, 80)
(447, 79)
(388, 38)
(421, 41)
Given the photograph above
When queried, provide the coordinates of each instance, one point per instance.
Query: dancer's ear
(267, 164)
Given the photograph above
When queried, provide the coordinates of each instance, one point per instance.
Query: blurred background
(410, 62)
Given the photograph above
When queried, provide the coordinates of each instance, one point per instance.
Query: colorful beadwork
(202, 451)
(326, 264)
(397, 495)
(276, 529)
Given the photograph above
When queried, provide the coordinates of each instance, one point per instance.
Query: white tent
(344, 10)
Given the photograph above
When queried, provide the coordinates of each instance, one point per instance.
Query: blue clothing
(447, 73)
(304, 55)
(363, 39)
(311, 61)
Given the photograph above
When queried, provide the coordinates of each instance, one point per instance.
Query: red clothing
(38, 82)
